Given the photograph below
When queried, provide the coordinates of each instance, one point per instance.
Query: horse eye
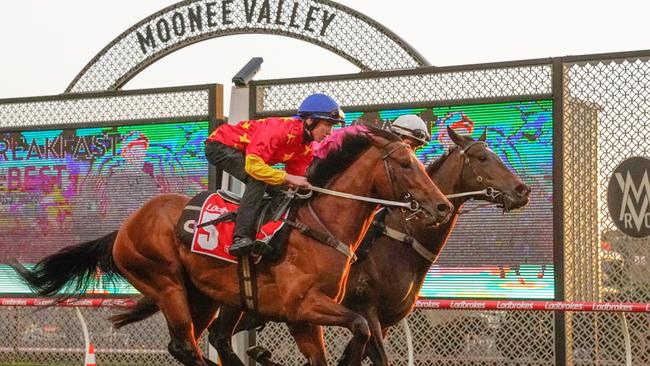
(482, 158)
(405, 164)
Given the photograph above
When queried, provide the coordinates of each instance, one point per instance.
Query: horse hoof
(258, 353)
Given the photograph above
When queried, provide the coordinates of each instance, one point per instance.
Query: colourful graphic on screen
(64, 187)
(491, 254)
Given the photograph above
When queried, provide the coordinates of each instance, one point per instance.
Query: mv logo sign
(628, 197)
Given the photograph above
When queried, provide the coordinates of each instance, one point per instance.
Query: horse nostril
(522, 190)
(443, 208)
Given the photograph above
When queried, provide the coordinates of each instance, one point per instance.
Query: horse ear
(484, 135)
(456, 138)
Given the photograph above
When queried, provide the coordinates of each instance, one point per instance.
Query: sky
(45, 44)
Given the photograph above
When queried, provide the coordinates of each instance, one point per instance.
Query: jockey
(412, 129)
(248, 150)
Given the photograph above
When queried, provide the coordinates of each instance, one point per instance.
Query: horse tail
(144, 308)
(70, 269)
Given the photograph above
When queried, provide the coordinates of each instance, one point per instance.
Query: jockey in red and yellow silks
(249, 149)
(268, 142)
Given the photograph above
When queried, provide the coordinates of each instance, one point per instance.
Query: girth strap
(247, 283)
(407, 239)
(323, 238)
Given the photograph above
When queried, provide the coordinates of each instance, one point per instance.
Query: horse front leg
(310, 340)
(322, 310)
(220, 335)
(375, 348)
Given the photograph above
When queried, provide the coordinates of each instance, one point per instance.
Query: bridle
(414, 205)
(488, 191)
(407, 237)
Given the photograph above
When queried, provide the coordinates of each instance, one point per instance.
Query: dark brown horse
(304, 286)
(402, 253)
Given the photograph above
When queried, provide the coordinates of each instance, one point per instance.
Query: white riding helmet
(410, 125)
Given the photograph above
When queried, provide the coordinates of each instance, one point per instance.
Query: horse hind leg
(170, 295)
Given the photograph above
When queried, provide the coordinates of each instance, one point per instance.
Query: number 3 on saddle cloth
(215, 239)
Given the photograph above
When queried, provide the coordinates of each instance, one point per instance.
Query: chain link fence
(54, 336)
(604, 103)
(443, 337)
(606, 109)
(410, 88)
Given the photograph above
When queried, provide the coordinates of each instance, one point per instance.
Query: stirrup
(259, 248)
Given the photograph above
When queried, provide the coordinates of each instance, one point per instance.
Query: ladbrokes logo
(628, 197)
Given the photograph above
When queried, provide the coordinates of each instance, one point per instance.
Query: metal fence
(601, 117)
(54, 335)
(443, 337)
(459, 337)
(602, 107)
(605, 112)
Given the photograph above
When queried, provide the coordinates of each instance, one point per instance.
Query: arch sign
(628, 197)
(339, 29)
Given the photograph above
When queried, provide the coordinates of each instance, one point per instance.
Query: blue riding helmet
(321, 107)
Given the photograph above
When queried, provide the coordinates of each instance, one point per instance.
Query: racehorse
(383, 285)
(303, 286)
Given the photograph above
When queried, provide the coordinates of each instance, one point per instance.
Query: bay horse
(303, 286)
(383, 285)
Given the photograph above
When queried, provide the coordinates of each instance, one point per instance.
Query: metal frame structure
(343, 31)
(113, 107)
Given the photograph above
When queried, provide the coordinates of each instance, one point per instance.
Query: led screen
(491, 254)
(63, 187)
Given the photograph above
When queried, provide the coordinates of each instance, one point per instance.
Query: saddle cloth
(215, 239)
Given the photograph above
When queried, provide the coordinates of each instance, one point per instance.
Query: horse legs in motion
(165, 284)
(303, 287)
(220, 336)
(309, 339)
(374, 349)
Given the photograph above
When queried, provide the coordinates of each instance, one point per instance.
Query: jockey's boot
(241, 246)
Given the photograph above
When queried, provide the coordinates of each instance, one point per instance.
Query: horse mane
(436, 164)
(321, 171)
(433, 166)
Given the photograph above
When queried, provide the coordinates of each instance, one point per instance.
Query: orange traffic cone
(90, 356)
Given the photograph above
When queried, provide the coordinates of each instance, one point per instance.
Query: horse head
(404, 178)
(483, 170)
